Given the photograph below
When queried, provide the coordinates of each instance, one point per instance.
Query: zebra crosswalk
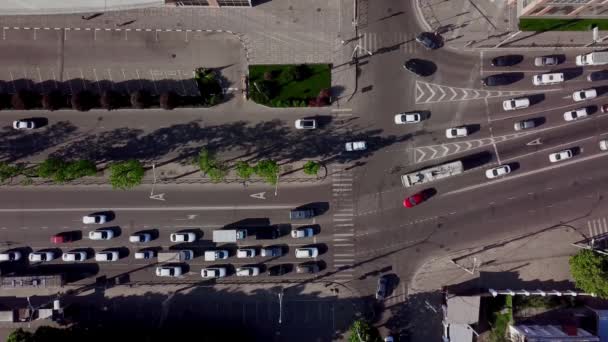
(378, 42)
(597, 227)
(343, 222)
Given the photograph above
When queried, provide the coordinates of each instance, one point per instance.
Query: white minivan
(548, 79)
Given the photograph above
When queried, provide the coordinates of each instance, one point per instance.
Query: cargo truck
(432, 174)
(231, 235)
(592, 58)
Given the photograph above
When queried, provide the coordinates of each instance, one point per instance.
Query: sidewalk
(491, 24)
(539, 261)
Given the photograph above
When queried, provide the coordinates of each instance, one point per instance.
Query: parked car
(307, 267)
(496, 80)
(307, 252)
(407, 118)
(603, 145)
(271, 251)
(95, 219)
(169, 271)
(546, 61)
(601, 75)
(247, 271)
(182, 237)
(279, 270)
(561, 155)
(300, 214)
(416, 67)
(414, 200)
(508, 60)
(104, 256)
(213, 272)
(517, 103)
(576, 114)
(585, 94)
(306, 124)
(24, 124)
(428, 40)
(524, 124)
(355, 146)
(62, 237)
(42, 256)
(498, 171)
(245, 253)
(302, 232)
(456, 132)
(74, 256)
(10, 256)
(145, 254)
(101, 234)
(381, 288)
(140, 237)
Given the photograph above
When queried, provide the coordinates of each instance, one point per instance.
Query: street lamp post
(276, 188)
(280, 306)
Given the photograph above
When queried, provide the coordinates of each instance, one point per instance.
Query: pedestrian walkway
(597, 227)
(377, 42)
(343, 222)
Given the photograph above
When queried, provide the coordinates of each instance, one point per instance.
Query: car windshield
(583, 94)
(513, 103)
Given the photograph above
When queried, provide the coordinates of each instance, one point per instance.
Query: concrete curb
(420, 16)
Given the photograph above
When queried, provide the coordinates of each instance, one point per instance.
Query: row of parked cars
(220, 271)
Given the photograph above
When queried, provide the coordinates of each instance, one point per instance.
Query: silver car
(525, 124)
(545, 60)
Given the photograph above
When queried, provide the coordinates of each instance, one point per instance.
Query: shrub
(268, 76)
(311, 168)
(244, 170)
(110, 100)
(83, 100)
(169, 100)
(140, 99)
(53, 100)
(24, 99)
(127, 174)
(302, 72)
(268, 169)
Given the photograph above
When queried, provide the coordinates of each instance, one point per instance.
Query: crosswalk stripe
(589, 226)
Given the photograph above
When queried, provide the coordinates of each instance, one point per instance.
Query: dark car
(428, 40)
(381, 289)
(62, 237)
(268, 233)
(508, 60)
(279, 270)
(598, 76)
(496, 80)
(308, 267)
(415, 67)
(301, 214)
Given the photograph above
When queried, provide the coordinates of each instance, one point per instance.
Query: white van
(106, 256)
(307, 252)
(215, 255)
(548, 79)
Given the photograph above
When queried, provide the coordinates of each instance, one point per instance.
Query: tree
(268, 170)
(50, 167)
(362, 331)
(24, 99)
(244, 170)
(79, 168)
(140, 99)
(8, 171)
(169, 100)
(218, 172)
(323, 99)
(110, 100)
(83, 100)
(311, 168)
(53, 100)
(127, 174)
(590, 272)
(206, 160)
(20, 335)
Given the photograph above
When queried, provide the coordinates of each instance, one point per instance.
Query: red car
(61, 238)
(414, 200)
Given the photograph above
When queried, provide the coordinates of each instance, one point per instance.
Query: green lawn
(546, 24)
(289, 85)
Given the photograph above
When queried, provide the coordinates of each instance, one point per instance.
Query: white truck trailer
(592, 58)
(432, 173)
(229, 235)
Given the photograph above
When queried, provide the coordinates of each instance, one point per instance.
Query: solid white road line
(193, 208)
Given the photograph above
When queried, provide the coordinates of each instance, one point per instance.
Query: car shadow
(473, 128)
(476, 160)
(570, 73)
(319, 208)
(536, 98)
(154, 233)
(514, 166)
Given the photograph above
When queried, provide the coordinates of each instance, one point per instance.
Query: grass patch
(286, 85)
(547, 24)
(501, 317)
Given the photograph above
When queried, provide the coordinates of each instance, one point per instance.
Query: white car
(247, 271)
(95, 218)
(576, 114)
(561, 155)
(518, 103)
(585, 94)
(307, 252)
(213, 272)
(407, 118)
(525, 124)
(106, 256)
(456, 132)
(10, 256)
(545, 60)
(498, 171)
(24, 124)
(169, 271)
(303, 232)
(140, 237)
(42, 256)
(144, 254)
(306, 124)
(355, 146)
(245, 253)
(603, 145)
(101, 234)
(183, 237)
(74, 256)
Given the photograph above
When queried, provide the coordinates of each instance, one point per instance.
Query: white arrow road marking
(159, 197)
(455, 93)
(458, 147)
(419, 91)
(431, 90)
(434, 153)
(442, 94)
(468, 145)
(476, 94)
(466, 94)
(418, 160)
(445, 150)
(534, 142)
(259, 195)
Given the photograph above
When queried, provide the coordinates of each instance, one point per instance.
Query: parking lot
(126, 61)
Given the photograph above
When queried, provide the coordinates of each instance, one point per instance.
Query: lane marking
(185, 208)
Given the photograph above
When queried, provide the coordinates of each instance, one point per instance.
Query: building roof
(463, 310)
(14, 7)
